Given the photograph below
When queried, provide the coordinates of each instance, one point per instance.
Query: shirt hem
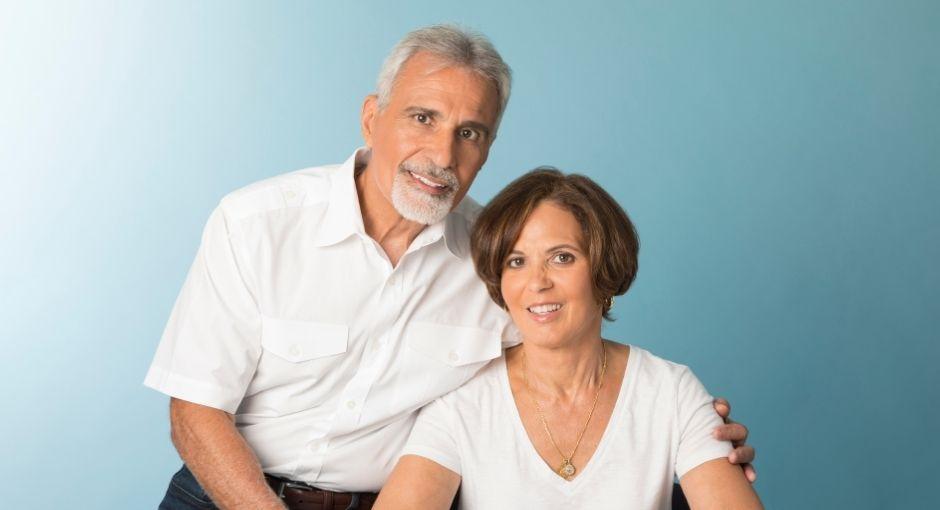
(191, 390)
(433, 455)
(717, 452)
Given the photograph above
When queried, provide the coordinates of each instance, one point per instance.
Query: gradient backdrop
(781, 160)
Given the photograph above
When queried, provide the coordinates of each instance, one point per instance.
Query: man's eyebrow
(414, 110)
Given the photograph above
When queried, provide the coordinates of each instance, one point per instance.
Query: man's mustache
(438, 173)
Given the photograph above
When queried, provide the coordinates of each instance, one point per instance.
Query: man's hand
(737, 434)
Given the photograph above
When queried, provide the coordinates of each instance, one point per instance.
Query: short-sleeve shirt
(661, 427)
(295, 321)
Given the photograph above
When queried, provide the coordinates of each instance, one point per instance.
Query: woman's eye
(514, 262)
(469, 134)
(564, 258)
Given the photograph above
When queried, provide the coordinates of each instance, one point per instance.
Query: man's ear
(367, 118)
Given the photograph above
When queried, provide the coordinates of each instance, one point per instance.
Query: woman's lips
(544, 312)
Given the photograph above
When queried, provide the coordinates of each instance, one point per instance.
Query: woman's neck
(562, 374)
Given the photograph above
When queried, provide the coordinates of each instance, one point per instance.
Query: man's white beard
(419, 206)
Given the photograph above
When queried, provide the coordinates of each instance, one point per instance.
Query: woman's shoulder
(650, 368)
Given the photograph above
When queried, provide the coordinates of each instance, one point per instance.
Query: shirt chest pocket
(453, 346)
(301, 341)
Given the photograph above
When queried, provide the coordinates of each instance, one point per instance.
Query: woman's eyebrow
(560, 246)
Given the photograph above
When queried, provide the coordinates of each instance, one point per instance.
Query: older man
(327, 305)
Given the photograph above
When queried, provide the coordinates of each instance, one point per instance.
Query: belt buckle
(290, 484)
(354, 499)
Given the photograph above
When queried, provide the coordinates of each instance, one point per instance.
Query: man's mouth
(433, 185)
(426, 181)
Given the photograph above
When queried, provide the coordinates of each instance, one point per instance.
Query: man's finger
(723, 408)
(742, 455)
(734, 432)
(750, 473)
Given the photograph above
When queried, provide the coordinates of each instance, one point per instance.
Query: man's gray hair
(456, 46)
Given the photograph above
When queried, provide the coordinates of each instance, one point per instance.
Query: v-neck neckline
(546, 472)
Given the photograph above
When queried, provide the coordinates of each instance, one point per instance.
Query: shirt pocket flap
(454, 345)
(298, 341)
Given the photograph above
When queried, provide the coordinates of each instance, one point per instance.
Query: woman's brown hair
(609, 238)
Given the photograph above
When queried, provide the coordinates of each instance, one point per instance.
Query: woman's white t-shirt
(661, 427)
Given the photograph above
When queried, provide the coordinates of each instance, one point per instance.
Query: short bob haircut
(607, 234)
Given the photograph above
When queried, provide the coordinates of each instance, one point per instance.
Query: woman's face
(546, 281)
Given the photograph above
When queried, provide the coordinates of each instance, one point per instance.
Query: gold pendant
(567, 469)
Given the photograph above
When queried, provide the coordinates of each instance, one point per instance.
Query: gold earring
(609, 302)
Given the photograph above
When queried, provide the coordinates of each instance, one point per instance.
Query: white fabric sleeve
(696, 419)
(212, 341)
(432, 435)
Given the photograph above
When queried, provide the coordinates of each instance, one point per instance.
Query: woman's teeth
(543, 309)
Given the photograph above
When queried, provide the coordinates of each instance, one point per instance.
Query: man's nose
(444, 150)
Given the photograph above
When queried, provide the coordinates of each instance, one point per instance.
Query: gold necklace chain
(567, 469)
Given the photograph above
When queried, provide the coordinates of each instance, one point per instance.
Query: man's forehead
(432, 83)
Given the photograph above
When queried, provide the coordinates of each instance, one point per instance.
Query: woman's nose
(539, 279)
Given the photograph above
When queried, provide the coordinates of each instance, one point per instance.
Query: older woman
(567, 419)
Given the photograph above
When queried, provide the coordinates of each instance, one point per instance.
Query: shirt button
(351, 404)
(294, 350)
(290, 194)
(453, 356)
(393, 281)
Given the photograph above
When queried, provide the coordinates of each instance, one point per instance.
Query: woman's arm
(417, 482)
(719, 485)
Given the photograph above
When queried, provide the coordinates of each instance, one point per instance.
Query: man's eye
(469, 134)
(422, 118)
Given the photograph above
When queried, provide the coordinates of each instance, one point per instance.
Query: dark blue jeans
(185, 493)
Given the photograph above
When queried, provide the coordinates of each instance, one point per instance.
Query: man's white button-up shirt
(294, 320)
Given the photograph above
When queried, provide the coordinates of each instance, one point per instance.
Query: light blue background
(780, 159)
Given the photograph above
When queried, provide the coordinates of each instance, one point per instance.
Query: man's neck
(381, 221)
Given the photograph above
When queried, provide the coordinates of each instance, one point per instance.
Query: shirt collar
(343, 217)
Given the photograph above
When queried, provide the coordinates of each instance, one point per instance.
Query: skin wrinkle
(451, 98)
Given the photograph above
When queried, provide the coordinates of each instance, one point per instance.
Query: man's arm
(417, 482)
(719, 485)
(736, 433)
(221, 460)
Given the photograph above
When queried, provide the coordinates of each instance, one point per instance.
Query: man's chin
(421, 218)
(411, 207)
(424, 216)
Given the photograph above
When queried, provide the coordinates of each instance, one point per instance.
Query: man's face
(430, 140)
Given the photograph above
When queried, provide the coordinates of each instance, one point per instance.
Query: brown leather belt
(300, 496)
